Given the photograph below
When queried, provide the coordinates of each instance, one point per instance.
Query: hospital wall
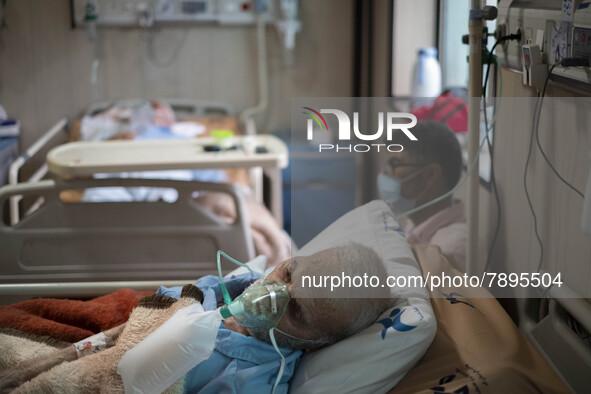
(45, 66)
(565, 134)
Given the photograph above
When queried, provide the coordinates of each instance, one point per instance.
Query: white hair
(347, 315)
(359, 259)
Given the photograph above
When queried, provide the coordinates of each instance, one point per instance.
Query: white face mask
(390, 189)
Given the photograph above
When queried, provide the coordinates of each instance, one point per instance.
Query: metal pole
(474, 93)
(87, 289)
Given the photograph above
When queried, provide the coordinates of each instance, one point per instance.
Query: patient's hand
(221, 204)
(268, 237)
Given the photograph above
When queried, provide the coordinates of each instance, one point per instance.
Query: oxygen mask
(260, 307)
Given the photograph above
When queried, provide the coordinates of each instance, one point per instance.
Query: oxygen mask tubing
(259, 308)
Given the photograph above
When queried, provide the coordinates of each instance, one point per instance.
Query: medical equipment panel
(559, 32)
(582, 42)
(145, 13)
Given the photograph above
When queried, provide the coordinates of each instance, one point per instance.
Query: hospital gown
(239, 364)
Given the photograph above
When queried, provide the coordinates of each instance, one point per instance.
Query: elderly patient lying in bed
(243, 361)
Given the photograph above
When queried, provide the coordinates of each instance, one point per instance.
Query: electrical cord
(529, 202)
(490, 55)
(493, 180)
(492, 175)
(567, 63)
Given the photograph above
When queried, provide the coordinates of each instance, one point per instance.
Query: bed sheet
(477, 348)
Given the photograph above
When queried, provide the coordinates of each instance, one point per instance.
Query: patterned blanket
(70, 320)
(90, 374)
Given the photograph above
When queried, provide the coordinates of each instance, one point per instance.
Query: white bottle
(426, 81)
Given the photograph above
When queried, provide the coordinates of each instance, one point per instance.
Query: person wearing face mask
(245, 358)
(424, 170)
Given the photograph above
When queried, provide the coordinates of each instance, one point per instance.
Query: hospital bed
(82, 249)
(209, 115)
(177, 239)
(476, 348)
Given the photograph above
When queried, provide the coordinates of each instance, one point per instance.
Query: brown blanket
(96, 372)
(477, 348)
(70, 320)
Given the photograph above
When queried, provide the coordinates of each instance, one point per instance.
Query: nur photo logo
(394, 122)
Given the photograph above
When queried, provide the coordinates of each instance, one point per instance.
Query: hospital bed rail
(13, 172)
(83, 289)
(136, 242)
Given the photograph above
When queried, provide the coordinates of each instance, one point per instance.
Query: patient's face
(306, 318)
(403, 165)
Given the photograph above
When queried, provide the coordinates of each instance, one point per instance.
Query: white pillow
(378, 357)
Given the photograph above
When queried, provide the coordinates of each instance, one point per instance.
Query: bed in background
(206, 116)
(177, 119)
(221, 208)
(154, 120)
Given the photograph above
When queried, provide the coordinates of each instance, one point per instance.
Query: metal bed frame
(87, 248)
